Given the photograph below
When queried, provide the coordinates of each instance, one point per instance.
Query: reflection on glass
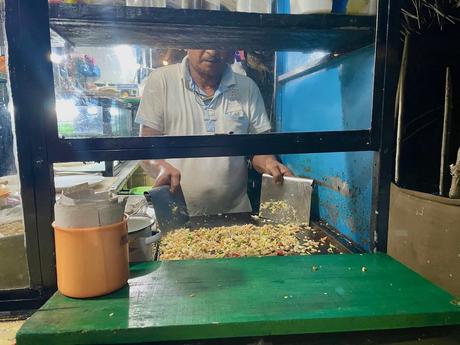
(99, 89)
(96, 91)
(146, 3)
(202, 95)
(201, 4)
(335, 97)
(259, 6)
(13, 264)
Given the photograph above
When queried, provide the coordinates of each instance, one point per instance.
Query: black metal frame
(39, 146)
(32, 88)
(21, 301)
(70, 150)
(386, 72)
(181, 28)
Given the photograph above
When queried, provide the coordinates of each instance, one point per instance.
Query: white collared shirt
(171, 104)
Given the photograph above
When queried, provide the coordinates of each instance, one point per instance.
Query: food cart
(358, 297)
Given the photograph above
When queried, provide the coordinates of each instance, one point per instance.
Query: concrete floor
(8, 331)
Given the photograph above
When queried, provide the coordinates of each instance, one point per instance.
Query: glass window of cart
(100, 84)
(13, 265)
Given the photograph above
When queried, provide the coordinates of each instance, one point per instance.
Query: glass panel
(356, 7)
(113, 90)
(102, 176)
(259, 6)
(99, 90)
(14, 271)
(233, 214)
(226, 199)
(337, 97)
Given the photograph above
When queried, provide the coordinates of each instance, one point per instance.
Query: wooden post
(446, 135)
(400, 105)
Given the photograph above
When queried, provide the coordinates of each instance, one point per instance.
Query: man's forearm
(151, 166)
(163, 172)
(261, 162)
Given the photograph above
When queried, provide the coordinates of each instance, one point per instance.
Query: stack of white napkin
(84, 208)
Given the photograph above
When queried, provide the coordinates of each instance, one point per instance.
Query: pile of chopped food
(237, 241)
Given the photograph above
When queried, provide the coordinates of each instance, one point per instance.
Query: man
(202, 96)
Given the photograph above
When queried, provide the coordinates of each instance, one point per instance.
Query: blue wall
(338, 97)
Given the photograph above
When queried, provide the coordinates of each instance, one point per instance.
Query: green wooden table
(206, 299)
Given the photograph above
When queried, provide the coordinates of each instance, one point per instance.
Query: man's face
(209, 63)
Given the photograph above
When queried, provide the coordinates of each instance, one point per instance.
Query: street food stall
(224, 278)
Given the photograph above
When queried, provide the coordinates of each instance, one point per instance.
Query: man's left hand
(268, 164)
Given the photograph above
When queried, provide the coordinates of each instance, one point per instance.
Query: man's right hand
(165, 173)
(167, 176)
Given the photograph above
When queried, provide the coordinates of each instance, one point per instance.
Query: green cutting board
(203, 299)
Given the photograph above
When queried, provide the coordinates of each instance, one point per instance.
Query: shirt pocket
(236, 122)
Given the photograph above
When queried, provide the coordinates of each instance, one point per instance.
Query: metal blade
(170, 208)
(288, 202)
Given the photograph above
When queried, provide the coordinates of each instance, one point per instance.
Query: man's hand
(163, 172)
(268, 164)
(167, 176)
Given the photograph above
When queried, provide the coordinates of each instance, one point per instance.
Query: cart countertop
(219, 298)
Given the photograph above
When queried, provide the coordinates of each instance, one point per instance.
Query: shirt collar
(228, 78)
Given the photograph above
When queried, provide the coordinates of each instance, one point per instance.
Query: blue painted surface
(342, 191)
(339, 6)
(283, 6)
(336, 98)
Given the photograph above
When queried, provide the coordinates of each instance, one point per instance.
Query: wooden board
(423, 234)
(205, 299)
(89, 25)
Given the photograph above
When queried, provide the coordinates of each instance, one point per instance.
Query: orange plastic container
(91, 262)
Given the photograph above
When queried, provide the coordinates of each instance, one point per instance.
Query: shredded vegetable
(236, 241)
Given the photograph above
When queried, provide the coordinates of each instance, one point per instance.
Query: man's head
(209, 63)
